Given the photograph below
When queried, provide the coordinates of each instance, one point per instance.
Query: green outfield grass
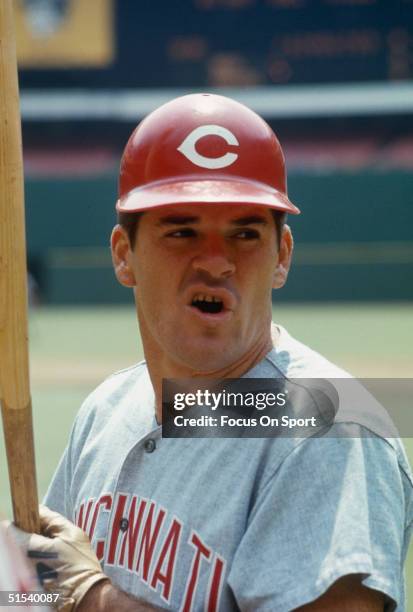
(72, 350)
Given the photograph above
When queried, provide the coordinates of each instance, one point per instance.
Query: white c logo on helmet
(187, 148)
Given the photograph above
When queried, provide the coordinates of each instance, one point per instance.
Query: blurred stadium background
(334, 78)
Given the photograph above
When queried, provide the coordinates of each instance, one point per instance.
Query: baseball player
(311, 523)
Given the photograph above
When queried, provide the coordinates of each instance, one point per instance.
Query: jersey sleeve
(97, 409)
(59, 495)
(335, 506)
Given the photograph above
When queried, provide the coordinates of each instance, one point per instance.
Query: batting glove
(62, 558)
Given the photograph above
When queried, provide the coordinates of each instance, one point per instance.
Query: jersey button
(150, 445)
(124, 524)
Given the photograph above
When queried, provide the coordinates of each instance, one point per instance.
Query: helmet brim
(201, 191)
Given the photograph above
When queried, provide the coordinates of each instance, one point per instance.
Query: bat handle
(18, 433)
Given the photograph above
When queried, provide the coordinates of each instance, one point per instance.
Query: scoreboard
(236, 43)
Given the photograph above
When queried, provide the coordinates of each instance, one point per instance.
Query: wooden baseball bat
(14, 359)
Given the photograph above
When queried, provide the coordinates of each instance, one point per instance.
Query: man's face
(202, 277)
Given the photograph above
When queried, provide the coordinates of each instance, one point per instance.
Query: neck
(161, 366)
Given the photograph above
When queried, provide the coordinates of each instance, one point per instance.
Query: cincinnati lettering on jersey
(137, 528)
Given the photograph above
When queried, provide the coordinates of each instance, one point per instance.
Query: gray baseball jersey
(234, 524)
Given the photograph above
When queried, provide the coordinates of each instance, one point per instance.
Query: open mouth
(208, 304)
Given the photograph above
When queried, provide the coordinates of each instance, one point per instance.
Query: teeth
(200, 297)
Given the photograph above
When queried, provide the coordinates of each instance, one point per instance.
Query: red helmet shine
(200, 149)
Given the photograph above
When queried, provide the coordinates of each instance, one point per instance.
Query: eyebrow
(250, 220)
(187, 220)
(177, 220)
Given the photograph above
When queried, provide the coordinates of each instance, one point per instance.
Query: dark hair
(280, 219)
(130, 222)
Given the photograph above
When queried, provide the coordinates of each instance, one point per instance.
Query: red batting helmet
(203, 148)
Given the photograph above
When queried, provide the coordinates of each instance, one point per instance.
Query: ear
(121, 254)
(284, 258)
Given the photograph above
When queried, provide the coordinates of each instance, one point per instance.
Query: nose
(214, 260)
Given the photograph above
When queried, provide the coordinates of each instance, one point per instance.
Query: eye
(247, 234)
(185, 232)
